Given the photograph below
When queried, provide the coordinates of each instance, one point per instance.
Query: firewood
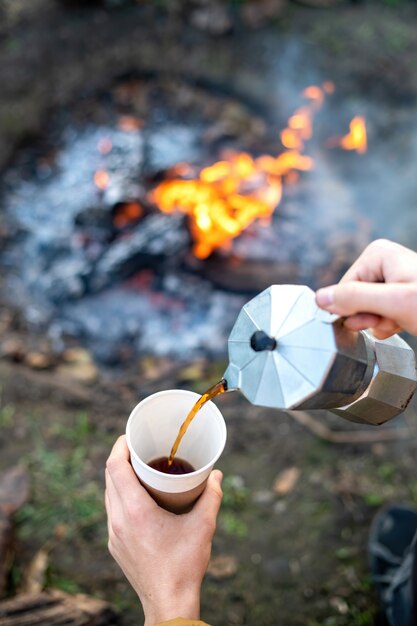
(53, 608)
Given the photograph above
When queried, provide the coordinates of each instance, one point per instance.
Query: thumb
(394, 301)
(211, 498)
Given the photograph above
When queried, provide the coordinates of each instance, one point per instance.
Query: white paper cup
(151, 431)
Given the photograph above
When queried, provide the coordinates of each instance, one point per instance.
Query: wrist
(185, 605)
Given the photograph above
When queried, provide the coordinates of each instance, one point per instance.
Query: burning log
(53, 608)
(158, 238)
(133, 204)
(249, 277)
(149, 243)
(225, 198)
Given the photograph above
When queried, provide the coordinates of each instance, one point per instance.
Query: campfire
(174, 222)
(223, 199)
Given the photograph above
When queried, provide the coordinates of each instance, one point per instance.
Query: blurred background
(162, 162)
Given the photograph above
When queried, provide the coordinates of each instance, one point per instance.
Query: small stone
(280, 507)
(236, 481)
(286, 481)
(222, 566)
(38, 360)
(263, 497)
(339, 605)
(78, 364)
(13, 349)
(212, 18)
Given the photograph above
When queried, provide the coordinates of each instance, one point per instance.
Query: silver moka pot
(285, 352)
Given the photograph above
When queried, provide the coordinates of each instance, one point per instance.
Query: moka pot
(286, 353)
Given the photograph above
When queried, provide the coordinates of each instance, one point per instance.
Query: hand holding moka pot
(286, 353)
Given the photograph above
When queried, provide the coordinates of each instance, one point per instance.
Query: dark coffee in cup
(178, 465)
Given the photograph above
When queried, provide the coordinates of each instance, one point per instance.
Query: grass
(65, 513)
(64, 502)
(7, 413)
(235, 501)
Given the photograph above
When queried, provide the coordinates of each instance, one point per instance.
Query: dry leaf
(38, 360)
(79, 364)
(13, 349)
(286, 480)
(222, 566)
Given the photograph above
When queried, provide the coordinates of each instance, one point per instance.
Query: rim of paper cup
(219, 418)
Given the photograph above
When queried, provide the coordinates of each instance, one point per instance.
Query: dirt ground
(295, 555)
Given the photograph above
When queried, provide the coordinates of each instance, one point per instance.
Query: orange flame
(356, 139)
(224, 198)
(101, 179)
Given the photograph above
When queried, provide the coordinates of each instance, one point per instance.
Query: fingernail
(325, 297)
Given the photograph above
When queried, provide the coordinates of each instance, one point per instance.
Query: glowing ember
(315, 94)
(101, 179)
(129, 123)
(126, 213)
(356, 138)
(104, 146)
(224, 198)
(328, 86)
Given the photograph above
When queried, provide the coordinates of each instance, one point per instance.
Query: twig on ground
(359, 436)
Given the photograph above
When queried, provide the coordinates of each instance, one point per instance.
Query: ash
(120, 294)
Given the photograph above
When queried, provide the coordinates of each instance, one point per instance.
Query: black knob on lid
(260, 341)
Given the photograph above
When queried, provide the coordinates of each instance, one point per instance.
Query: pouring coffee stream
(286, 353)
(211, 393)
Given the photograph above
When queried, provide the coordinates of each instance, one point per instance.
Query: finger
(211, 498)
(369, 266)
(380, 334)
(361, 321)
(114, 504)
(383, 261)
(123, 479)
(111, 492)
(119, 468)
(120, 449)
(108, 511)
(385, 328)
(396, 301)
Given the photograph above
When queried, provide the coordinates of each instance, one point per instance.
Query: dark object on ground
(14, 491)
(56, 607)
(392, 552)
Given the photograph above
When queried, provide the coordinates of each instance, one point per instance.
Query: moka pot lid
(281, 347)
